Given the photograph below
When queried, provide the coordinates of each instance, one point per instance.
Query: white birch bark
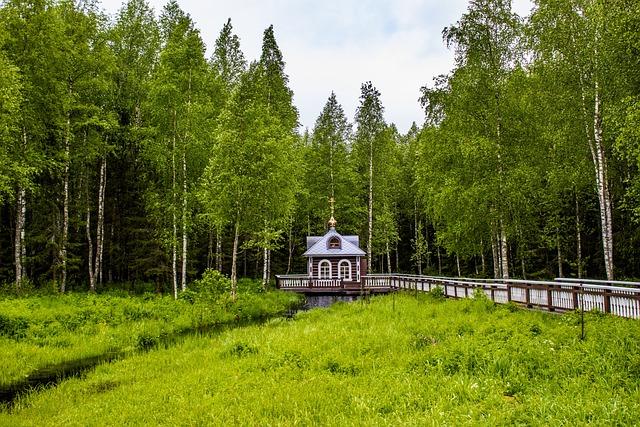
(174, 240)
(602, 183)
(595, 141)
(504, 255)
(92, 283)
(370, 240)
(21, 214)
(210, 250)
(578, 239)
(21, 209)
(559, 249)
(482, 259)
(264, 267)
(458, 265)
(65, 207)
(496, 257)
(184, 220)
(268, 266)
(291, 248)
(97, 273)
(388, 258)
(218, 249)
(234, 257)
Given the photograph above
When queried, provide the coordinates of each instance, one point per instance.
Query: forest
(128, 158)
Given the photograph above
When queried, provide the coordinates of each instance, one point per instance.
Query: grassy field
(394, 361)
(40, 331)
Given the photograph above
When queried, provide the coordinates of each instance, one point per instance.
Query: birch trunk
(21, 211)
(92, 282)
(504, 258)
(184, 219)
(97, 273)
(397, 259)
(234, 256)
(21, 214)
(602, 182)
(184, 189)
(578, 238)
(559, 249)
(265, 258)
(268, 266)
(174, 240)
(218, 249)
(291, 248)
(416, 237)
(370, 225)
(210, 250)
(388, 258)
(65, 208)
(458, 265)
(598, 156)
(439, 263)
(496, 257)
(101, 213)
(483, 261)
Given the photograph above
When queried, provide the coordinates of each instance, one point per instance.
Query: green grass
(424, 362)
(39, 331)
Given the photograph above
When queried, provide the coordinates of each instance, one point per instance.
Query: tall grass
(413, 362)
(40, 331)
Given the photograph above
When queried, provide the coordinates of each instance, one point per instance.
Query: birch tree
(175, 93)
(370, 148)
(569, 39)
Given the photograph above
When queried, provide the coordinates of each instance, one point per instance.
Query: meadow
(396, 360)
(41, 332)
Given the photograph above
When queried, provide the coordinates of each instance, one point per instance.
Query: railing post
(607, 301)
(574, 290)
(527, 290)
(549, 299)
(508, 292)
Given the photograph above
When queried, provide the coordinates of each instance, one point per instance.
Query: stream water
(51, 375)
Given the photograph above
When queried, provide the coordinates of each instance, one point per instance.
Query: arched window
(334, 243)
(344, 269)
(324, 269)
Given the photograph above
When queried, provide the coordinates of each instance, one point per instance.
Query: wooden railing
(301, 281)
(618, 298)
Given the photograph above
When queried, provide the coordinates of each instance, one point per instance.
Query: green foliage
(437, 293)
(210, 287)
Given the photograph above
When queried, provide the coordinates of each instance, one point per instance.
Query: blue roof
(319, 245)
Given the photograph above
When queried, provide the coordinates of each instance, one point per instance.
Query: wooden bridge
(616, 297)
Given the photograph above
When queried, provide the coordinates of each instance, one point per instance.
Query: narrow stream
(51, 375)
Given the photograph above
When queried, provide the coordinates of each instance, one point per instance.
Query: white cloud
(337, 45)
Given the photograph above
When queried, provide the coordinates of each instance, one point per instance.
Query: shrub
(437, 293)
(211, 286)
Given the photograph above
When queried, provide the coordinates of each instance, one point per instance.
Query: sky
(336, 45)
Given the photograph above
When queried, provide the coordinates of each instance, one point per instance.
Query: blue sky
(335, 45)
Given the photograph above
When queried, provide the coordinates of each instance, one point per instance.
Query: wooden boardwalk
(614, 297)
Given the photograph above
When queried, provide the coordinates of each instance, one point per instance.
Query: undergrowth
(420, 361)
(40, 331)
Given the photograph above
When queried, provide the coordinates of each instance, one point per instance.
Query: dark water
(314, 301)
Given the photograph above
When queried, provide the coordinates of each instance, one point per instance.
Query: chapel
(334, 257)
